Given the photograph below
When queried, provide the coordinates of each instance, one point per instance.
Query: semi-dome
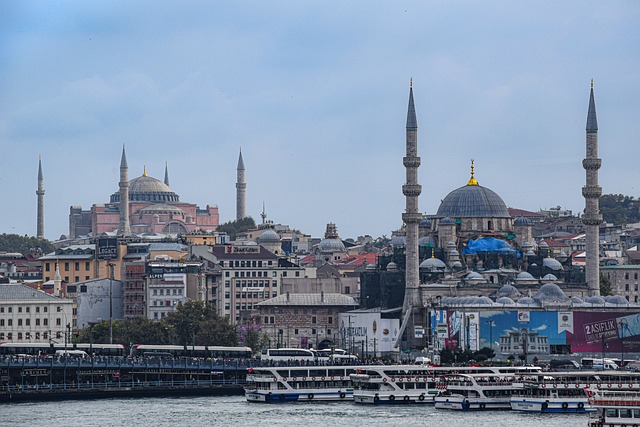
(331, 245)
(527, 301)
(472, 201)
(270, 236)
(549, 278)
(508, 291)
(594, 300)
(146, 188)
(524, 275)
(616, 300)
(522, 220)
(505, 301)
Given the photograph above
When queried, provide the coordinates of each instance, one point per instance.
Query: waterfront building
(303, 320)
(624, 280)
(28, 315)
(170, 284)
(96, 300)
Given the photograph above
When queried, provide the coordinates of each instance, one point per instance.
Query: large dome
(472, 201)
(148, 189)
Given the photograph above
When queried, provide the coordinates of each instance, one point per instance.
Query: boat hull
(391, 399)
(543, 406)
(471, 404)
(264, 396)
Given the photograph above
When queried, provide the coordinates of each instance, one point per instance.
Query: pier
(53, 378)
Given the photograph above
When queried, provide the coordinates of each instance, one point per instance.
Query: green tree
(605, 286)
(195, 323)
(24, 244)
(238, 226)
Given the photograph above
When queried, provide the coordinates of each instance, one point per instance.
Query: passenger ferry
(472, 392)
(377, 384)
(299, 383)
(615, 408)
(567, 391)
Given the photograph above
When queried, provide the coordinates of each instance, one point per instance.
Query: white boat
(473, 392)
(378, 384)
(299, 383)
(566, 392)
(615, 408)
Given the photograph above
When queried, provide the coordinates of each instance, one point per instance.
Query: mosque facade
(153, 208)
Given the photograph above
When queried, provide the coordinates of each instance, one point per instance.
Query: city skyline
(315, 95)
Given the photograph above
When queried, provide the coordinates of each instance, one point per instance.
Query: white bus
(288, 354)
(334, 355)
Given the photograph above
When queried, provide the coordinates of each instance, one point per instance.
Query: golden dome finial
(472, 180)
(144, 172)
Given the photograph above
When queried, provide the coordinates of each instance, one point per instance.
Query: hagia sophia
(153, 208)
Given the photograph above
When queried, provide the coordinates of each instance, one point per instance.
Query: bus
(334, 355)
(50, 349)
(595, 363)
(288, 355)
(199, 351)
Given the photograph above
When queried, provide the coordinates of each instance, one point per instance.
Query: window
(295, 332)
(47, 267)
(313, 332)
(37, 309)
(77, 279)
(77, 266)
(347, 289)
(87, 266)
(226, 274)
(1, 322)
(58, 321)
(37, 322)
(83, 288)
(330, 320)
(66, 266)
(86, 277)
(314, 319)
(45, 322)
(27, 322)
(626, 287)
(45, 309)
(19, 309)
(19, 322)
(297, 274)
(9, 322)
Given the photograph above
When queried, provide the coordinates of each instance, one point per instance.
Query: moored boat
(299, 383)
(473, 392)
(614, 408)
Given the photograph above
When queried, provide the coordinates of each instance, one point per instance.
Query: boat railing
(615, 399)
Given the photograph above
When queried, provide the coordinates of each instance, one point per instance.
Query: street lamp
(491, 324)
(623, 322)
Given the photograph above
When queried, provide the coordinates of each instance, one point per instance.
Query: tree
(195, 323)
(24, 244)
(238, 226)
(605, 286)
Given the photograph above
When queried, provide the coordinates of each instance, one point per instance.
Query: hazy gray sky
(315, 93)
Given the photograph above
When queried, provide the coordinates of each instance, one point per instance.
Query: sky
(315, 94)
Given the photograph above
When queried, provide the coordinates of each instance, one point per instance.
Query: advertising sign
(605, 331)
(107, 248)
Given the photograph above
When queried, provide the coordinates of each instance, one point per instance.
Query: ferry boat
(567, 391)
(299, 383)
(472, 392)
(378, 384)
(615, 408)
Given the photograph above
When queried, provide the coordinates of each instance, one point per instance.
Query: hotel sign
(107, 248)
(242, 249)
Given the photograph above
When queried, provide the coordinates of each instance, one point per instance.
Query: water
(235, 411)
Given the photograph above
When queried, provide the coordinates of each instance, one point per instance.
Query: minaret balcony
(592, 164)
(591, 191)
(591, 219)
(411, 190)
(412, 217)
(411, 161)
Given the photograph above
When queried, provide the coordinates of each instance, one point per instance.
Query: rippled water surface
(235, 411)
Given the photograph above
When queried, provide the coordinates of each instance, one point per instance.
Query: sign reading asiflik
(523, 316)
(565, 321)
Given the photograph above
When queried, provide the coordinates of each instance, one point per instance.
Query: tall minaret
(592, 192)
(412, 216)
(166, 174)
(40, 194)
(124, 228)
(241, 188)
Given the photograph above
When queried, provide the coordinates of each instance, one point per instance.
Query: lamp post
(111, 265)
(603, 344)
(524, 336)
(491, 324)
(623, 323)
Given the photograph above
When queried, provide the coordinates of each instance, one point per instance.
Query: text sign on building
(242, 249)
(107, 248)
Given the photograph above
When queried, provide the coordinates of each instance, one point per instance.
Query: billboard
(595, 332)
(369, 331)
(107, 248)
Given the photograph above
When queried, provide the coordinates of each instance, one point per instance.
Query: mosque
(150, 207)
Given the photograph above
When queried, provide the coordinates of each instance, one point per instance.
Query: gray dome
(447, 221)
(550, 292)
(530, 253)
(525, 275)
(425, 223)
(527, 246)
(552, 263)
(454, 253)
(483, 301)
(505, 301)
(594, 300)
(397, 240)
(148, 189)
(371, 267)
(331, 245)
(457, 264)
(392, 266)
(508, 291)
(543, 245)
(451, 245)
(474, 276)
(527, 301)
(549, 278)
(473, 201)
(522, 220)
(270, 236)
(616, 300)
(433, 264)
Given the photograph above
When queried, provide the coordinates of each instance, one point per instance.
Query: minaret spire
(263, 214)
(166, 174)
(124, 227)
(411, 218)
(40, 194)
(241, 188)
(592, 192)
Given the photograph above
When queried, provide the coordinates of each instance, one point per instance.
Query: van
(71, 353)
(420, 360)
(564, 364)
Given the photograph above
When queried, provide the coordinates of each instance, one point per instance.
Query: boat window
(612, 413)
(336, 372)
(625, 413)
(636, 413)
(283, 373)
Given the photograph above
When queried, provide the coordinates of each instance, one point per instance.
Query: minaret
(57, 282)
(166, 174)
(124, 228)
(592, 192)
(241, 188)
(40, 194)
(412, 216)
(263, 214)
